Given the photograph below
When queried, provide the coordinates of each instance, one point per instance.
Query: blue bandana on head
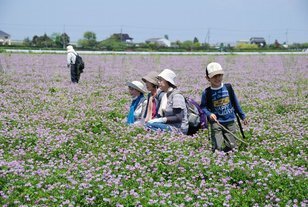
(133, 106)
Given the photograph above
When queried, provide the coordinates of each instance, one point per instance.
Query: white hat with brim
(70, 48)
(214, 69)
(137, 85)
(168, 75)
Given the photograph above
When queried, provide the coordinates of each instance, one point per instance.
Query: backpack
(195, 115)
(79, 63)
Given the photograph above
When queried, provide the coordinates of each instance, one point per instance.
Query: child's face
(216, 80)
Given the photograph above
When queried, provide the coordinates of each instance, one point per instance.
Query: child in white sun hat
(172, 107)
(221, 106)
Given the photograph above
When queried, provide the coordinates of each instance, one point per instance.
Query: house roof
(257, 39)
(4, 34)
(124, 36)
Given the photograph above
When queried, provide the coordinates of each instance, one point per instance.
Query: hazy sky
(208, 20)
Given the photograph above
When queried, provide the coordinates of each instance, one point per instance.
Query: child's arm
(203, 106)
(238, 108)
(239, 111)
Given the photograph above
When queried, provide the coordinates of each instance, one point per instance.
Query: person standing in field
(71, 60)
(173, 106)
(221, 105)
(138, 104)
(154, 97)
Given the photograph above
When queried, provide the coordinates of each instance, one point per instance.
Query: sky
(210, 21)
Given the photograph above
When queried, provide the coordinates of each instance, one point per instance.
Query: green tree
(88, 41)
(42, 41)
(196, 40)
(65, 39)
(112, 44)
(27, 42)
(187, 45)
(60, 40)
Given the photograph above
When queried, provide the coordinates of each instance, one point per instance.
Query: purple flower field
(63, 144)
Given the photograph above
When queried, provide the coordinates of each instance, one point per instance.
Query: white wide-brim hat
(137, 85)
(168, 75)
(70, 48)
(214, 69)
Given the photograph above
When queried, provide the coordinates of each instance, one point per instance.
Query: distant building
(5, 38)
(160, 41)
(260, 41)
(242, 42)
(123, 37)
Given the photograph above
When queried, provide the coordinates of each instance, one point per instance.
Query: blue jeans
(158, 126)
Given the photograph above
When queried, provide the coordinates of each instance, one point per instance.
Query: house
(5, 38)
(123, 37)
(160, 41)
(260, 41)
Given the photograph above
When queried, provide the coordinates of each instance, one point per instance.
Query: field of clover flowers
(64, 144)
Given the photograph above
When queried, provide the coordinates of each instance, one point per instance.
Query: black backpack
(79, 63)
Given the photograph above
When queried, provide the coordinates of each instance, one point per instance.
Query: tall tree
(64, 40)
(60, 40)
(88, 41)
(196, 40)
(42, 41)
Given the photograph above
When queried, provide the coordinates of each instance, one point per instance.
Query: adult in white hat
(138, 104)
(173, 106)
(71, 59)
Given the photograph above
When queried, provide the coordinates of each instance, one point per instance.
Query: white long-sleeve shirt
(71, 58)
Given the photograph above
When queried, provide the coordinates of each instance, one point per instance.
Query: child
(217, 103)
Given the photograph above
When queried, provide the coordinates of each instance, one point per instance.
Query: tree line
(116, 43)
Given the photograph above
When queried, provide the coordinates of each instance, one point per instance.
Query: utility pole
(287, 36)
(64, 37)
(208, 36)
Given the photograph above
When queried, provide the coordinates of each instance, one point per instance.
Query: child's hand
(213, 117)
